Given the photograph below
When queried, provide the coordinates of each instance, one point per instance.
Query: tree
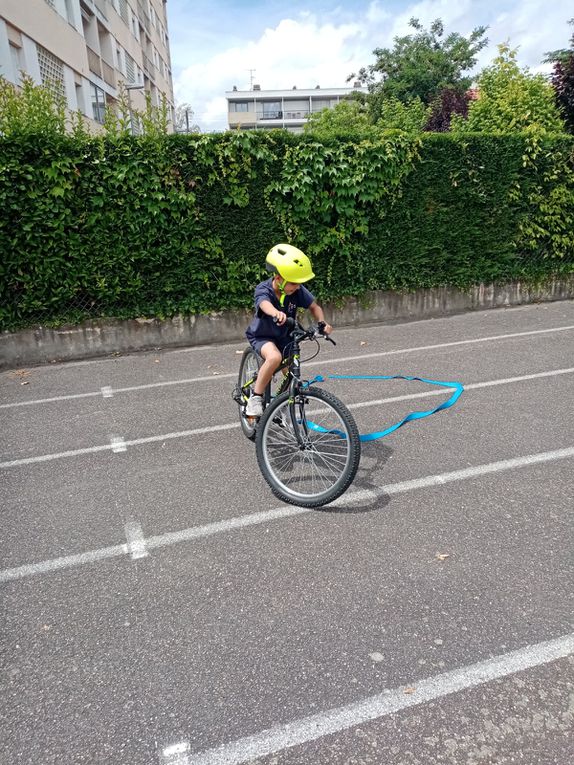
(410, 117)
(352, 118)
(449, 102)
(183, 120)
(347, 117)
(421, 64)
(511, 99)
(563, 80)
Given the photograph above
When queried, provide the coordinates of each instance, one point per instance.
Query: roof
(292, 93)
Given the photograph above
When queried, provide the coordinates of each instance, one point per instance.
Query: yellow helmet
(290, 263)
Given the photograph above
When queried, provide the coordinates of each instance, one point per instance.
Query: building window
(130, 69)
(51, 70)
(124, 12)
(98, 103)
(135, 26)
(17, 61)
(69, 12)
(239, 106)
(272, 110)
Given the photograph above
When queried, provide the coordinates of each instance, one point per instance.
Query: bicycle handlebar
(298, 332)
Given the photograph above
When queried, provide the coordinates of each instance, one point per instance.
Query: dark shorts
(257, 343)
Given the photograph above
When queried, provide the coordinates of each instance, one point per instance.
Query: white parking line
(136, 542)
(176, 754)
(215, 378)
(386, 703)
(108, 447)
(285, 511)
(115, 445)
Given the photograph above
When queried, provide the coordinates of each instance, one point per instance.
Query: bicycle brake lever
(321, 331)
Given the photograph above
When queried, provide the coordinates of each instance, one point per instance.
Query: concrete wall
(105, 336)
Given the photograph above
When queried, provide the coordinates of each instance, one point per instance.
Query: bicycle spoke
(308, 462)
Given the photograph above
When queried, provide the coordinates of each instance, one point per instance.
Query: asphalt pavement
(161, 607)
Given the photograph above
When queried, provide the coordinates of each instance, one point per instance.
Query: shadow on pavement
(374, 457)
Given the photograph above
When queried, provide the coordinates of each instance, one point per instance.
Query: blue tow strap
(456, 386)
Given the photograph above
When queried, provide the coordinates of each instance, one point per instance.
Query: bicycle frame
(291, 380)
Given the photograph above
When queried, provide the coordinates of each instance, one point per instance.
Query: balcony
(109, 74)
(94, 61)
(271, 115)
(148, 66)
(144, 18)
(300, 114)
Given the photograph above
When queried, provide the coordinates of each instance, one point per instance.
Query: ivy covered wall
(154, 226)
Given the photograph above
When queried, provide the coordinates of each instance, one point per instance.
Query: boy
(275, 300)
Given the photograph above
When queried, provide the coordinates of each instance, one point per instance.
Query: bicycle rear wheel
(308, 449)
(248, 368)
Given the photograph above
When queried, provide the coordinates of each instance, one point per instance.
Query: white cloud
(313, 48)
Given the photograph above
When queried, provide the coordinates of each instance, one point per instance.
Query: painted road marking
(118, 444)
(108, 447)
(107, 391)
(234, 425)
(267, 516)
(136, 542)
(176, 754)
(211, 378)
(388, 702)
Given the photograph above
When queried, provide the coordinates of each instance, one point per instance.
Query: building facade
(289, 109)
(87, 48)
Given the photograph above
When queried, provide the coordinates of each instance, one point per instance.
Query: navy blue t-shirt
(263, 327)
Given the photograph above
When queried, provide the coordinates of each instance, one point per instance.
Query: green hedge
(181, 224)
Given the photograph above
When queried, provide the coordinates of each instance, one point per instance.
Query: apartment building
(89, 47)
(289, 109)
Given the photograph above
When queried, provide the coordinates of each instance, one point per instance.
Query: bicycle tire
(249, 366)
(277, 447)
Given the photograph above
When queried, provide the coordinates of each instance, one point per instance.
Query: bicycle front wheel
(308, 449)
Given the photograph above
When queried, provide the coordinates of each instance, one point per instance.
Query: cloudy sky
(215, 43)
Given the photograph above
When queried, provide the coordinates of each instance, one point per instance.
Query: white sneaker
(254, 406)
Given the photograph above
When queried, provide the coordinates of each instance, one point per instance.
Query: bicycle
(307, 441)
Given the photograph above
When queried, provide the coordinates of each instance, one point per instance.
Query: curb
(102, 337)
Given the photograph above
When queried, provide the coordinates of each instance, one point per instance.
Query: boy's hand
(324, 328)
(280, 318)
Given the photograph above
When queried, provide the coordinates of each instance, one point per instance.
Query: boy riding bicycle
(276, 299)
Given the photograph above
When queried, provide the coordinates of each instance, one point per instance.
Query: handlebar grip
(289, 322)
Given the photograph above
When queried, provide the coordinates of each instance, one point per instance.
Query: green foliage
(421, 64)
(547, 225)
(396, 115)
(325, 195)
(42, 110)
(346, 118)
(510, 100)
(125, 226)
(31, 109)
(359, 119)
(465, 212)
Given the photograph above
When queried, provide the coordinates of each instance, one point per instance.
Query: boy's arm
(318, 314)
(267, 307)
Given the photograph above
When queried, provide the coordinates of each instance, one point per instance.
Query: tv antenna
(251, 77)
